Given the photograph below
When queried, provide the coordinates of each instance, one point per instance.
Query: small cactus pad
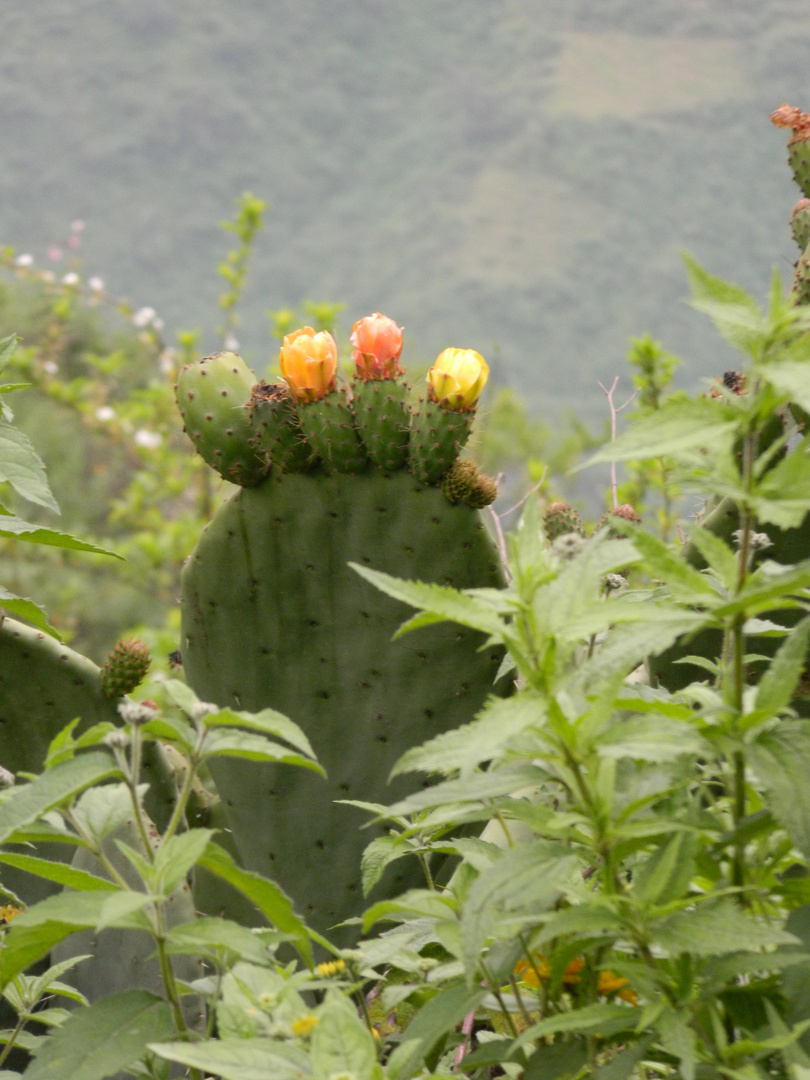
(383, 420)
(800, 223)
(125, 668)
(559, 519)
(213, 395)
(273, 418)
(437, 437)
(787, 116)
(464, 482)
(273, 616)
(329, 427)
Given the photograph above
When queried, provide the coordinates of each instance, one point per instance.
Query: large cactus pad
(274, 617)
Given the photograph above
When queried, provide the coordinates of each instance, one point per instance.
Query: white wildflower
(143, 316)
(105, 412)
(24, 260)
(150, 440)
(95, 284)
(71, 279)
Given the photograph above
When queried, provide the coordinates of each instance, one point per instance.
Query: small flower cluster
(309, 363)
(531, 974)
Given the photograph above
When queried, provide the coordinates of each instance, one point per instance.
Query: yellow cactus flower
(457, 378)
(9, 912)
(304, 1025)
(309, 363)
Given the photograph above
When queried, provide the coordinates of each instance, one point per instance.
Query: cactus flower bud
(457, 378)
(377, 344)
(309, 363)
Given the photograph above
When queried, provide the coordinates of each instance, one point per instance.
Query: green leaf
(523, 883)
(265, 894)
(268, 722)
(775, 688)
(718, 555)
(781, 759)
(54, 787)
(378, 855)
(675, 429)
(557, 1061)
(771, 585)
(666, 874)
(101, 810)
(790, 377)
(239, 1059)
(465, 748)
(106, 1037)
(341, 1044)
(62, 873)
(231, 742)
(650, 738)
(22, 467)
(8, 346)
(781, 497)
(714, 928)
(435, 1019)
(685, 583)
(218, 938)
(736, 315)
(480, 786)
(604, 1020)
(439, 600)
(422, 903)
(27, 609)
(17, 529)
(175, 858)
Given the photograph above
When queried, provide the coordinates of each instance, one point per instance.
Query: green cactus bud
(464, 482)
(125, 668)
(559, 519)
(213, 395)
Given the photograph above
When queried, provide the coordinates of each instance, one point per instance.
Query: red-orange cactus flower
(377, 344)
(309, 363)
(457, 378)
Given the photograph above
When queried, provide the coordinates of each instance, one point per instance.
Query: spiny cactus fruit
(800, 223)
(464, 482)
(625, 511)
(379, 395)
(125, 668)
(559, 519)
(273, 418)
(213, 395)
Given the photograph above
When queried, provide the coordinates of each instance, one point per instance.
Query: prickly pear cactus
(274, 616)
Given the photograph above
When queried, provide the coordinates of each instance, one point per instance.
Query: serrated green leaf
(104, 1038)
(62, 873)
(515, 890)
(650, 738)
(790, 377)
(781, 497)
(265, 894)
(54, 787)
(781, 759)
(177, 855)
(715, 928)
(8, 346)
(685, 583)
(232, 742)
(379, 853)
(435, 1019)
(775, 688)
(267, 721)
(480, 786)
(28, 610)
(555, 1061)
(439, 600)
(217, 938)
(17, 529)
(678, 428)
(239, 1059)
(736, 315)
(666, 874)
(604, 1019)
(341, 1045)
(464, 749)
(101, 810)
(419, 902)
(718, 555)
(22, 467)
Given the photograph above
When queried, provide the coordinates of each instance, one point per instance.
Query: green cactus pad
(799, 161)
(329, 427)
(800, 292)
(273, 418)
(383, 420)
(274, 617)
(437, 437)
(213, 395)
(800, 223)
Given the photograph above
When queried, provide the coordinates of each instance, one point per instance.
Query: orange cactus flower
(608, 983)
(309, 363)
(377, 344)
(457, 378)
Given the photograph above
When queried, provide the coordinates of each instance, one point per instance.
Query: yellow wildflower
(608, 983)
(304, 1024)
(330, 967)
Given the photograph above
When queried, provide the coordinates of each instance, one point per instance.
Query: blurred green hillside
(516, 176)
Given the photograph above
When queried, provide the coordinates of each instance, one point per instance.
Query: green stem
(13, 1037)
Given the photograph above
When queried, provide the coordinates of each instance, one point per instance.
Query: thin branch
(614, 411)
